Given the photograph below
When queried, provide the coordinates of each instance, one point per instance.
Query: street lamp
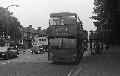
(7, 17)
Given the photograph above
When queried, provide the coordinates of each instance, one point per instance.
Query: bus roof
(62, 14)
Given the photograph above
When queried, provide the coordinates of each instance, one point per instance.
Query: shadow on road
(64, 63)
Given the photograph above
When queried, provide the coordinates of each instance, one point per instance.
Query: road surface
(28, 64)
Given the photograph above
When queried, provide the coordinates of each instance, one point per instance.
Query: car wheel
(38, 51)
(55, 62)
(81, 57)
(76, 62)
(6, 57)
(41, 52)
(15, 56)
(17, 53)
(32, 52)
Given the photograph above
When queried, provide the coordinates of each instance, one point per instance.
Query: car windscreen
(13, 45)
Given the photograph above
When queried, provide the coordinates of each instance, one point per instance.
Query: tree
(108, 17)
(9, 24)
(103, 15)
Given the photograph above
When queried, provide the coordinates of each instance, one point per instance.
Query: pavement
(105, 64)
(88, 51)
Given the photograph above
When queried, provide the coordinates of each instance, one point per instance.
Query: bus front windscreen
(63, 43)
(56, 43)
(69, 43)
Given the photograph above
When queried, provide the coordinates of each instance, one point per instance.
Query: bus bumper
(62, 58)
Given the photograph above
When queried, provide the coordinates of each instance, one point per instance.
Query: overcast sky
(36, 12)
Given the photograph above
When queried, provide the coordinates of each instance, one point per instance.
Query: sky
(37, 12)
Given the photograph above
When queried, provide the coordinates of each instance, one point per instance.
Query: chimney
(30, 26)
(39, 28)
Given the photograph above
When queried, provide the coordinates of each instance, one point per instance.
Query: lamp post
(7, 16)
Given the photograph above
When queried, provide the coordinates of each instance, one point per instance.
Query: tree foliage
(9, 24)
(106, 11)
(103, 16)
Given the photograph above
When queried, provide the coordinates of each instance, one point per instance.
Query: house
(30, 35)
(40, 32)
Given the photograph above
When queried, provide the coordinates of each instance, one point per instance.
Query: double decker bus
(65, 43)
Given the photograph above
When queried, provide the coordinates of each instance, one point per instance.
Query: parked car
(8, 51)
(45, 47)
(18, 46)
(37, 50)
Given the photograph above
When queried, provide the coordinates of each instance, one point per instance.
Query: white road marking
(72, 71)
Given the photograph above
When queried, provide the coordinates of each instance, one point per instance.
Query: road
(28, 64)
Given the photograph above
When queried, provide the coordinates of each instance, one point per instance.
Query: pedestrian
(107, 44)
(91, 41)
(97, 46)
